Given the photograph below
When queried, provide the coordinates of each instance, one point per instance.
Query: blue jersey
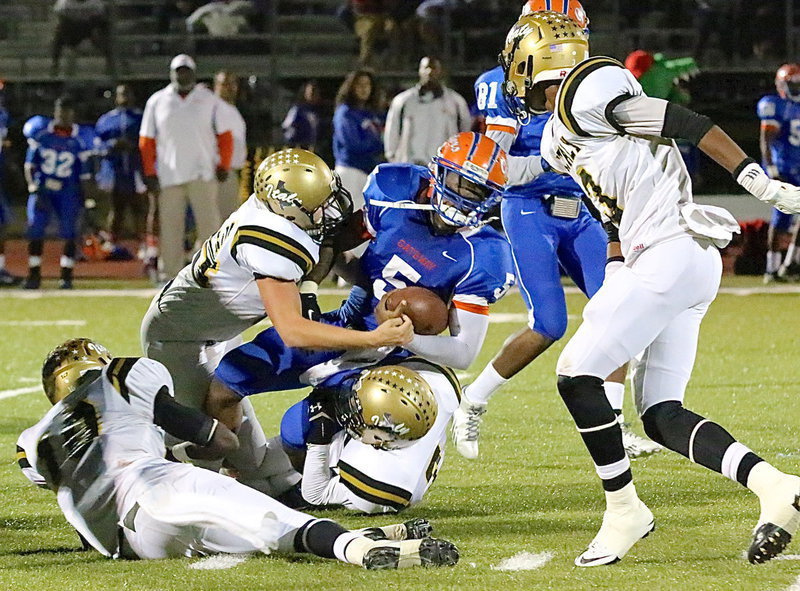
(783, 114)
(492, 103)
(59, 160)
(471, 268)
(123, 167)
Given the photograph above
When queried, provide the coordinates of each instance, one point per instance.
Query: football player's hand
(222, 175)
(321, 417)
(782, 195)
(33, 188)
(152, 184)
(310, 306)
(396, 332)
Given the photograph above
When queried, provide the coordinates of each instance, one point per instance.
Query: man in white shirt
(186, 151)
(226, 87)
(421, 118)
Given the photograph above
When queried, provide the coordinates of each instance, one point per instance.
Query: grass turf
(533, 489)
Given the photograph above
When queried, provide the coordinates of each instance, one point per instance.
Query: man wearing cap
(186, 148)
(226, 87)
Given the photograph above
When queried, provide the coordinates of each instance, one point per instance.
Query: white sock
(615, 392)
(34, 261)
(773, 261)
(732, 458)
(2, 262)
(623, 498)
(486, 384)
(763, 478)
(351, 547)
(67, 262)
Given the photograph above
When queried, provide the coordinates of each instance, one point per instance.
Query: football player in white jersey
(247, 270)
(101, 449)
(372, 440)
(617, 143)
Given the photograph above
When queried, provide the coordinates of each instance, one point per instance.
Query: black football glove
(310, 306)
(322, 417)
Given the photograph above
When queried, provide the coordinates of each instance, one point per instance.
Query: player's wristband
(754, 180)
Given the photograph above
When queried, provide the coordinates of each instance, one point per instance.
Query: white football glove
(782, 195)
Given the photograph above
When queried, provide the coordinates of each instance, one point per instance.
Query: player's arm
(282, 303)
(147, 148)
(521, 169)
(643, 115)
(26, 456)
(768, 135)
(32, 161)
(208, 438)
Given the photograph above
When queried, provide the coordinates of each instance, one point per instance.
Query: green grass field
(533, 489)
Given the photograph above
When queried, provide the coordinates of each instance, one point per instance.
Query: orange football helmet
(787, 81)
(572, 8)
(469, 172)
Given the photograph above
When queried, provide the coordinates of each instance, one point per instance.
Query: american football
(425, 309)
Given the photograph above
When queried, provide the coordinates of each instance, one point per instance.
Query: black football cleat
(9, 280)
(419, 528)
(426, 553)
(769, 540)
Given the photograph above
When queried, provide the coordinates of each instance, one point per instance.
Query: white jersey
(215, 297)
(374, 480)
(91, 446)
(638, 183)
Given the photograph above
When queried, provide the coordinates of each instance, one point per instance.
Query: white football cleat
(636, 446)
(778, 522)
(621, 529)
(467, 426)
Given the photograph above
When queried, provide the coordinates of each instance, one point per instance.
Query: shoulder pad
(395, 182)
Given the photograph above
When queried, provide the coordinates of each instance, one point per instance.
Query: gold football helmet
(66, 364)
(389, 407)
(298, 185)
(541, 47)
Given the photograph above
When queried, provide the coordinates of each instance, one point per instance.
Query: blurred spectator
(121, 166)
(357, 122)
(221, 18)
(370, 21)
(421, 118)
(435, 18)
(77, 20)
(301, 125)
(6, 278)
(226, 87)
(186, 152)
(169, 10)
(57, 173)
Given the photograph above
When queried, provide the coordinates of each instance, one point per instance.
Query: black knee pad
(657, 419)
(586, 400)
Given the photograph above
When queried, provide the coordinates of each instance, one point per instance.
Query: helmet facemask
(334, 211)
(460, 198)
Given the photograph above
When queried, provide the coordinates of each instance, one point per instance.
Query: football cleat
(618, 533)
(466, 427)
(636, 446)
(414, 529)
(778, 522)
(426, 552)
(33, 281)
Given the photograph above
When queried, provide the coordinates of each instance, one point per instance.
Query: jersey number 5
(396, 266)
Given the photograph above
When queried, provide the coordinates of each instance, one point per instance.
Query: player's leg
(533, 244)
(204, 199)
(38, 211)
(660, 375)
(172, 226)
(779, 228)
(223, 516)
(627, 314)
(68, 210)
(582, 252)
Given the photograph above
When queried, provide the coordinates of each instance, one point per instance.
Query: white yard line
(19, 391)
(42, 323)
(795, 586)
(219, 562)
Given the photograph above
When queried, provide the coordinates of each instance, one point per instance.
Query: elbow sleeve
(187, 424)
(683, 123)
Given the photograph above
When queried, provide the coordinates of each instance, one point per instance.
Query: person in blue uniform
(56, 167)
(550, 228)
(780, 152)
(426, 227)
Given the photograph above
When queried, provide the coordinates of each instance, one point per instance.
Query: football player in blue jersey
(6, 278)
(426, 227)
(780, 151)
(56, 168)
(550, 228)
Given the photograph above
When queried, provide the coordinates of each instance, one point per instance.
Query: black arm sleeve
(682, 123)
(180, 421)
(611, 231)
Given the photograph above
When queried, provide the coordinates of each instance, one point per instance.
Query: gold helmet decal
(541, 47)
(389, 407)
(298, 185)
(68, 362)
